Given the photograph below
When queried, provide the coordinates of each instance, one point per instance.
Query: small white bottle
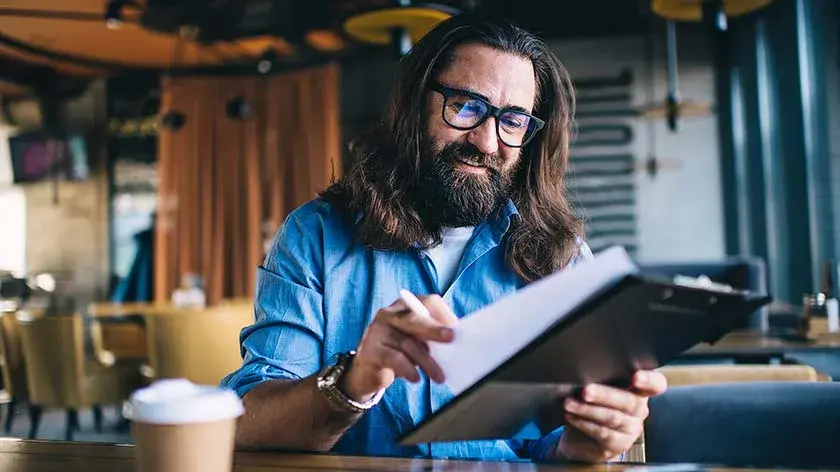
(189, 294)
(832, 312)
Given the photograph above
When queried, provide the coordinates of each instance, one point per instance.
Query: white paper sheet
(488, 337)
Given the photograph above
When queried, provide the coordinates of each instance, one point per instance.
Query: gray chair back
(754, 424)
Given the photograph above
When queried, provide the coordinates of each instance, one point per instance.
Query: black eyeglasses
(465, 110)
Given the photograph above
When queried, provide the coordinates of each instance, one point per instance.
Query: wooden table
(47, 456)
(110, 310)
(755, 347)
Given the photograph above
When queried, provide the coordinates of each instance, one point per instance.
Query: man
(456, 195)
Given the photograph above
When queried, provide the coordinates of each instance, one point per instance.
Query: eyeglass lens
(463, 111)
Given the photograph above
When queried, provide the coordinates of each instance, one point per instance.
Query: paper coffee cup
(178, 426)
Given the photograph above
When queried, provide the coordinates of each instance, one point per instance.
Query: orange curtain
(226, 184)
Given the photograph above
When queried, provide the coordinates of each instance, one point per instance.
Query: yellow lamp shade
(375, 26)
(692, 10)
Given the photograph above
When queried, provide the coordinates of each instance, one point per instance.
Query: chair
(60, 376)
(201, 345)
(744, 273)
(720, 374)
(747, 424)
(13, 369)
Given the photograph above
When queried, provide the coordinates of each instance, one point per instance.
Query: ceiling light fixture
(113, 14)
(267, 61)
(399, 27)
(712, 12)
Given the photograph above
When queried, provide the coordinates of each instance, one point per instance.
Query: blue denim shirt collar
(501, 218)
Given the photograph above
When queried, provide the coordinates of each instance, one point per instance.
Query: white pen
(413, 303)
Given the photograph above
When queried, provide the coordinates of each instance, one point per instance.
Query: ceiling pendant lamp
(399, 27)
(715, 12)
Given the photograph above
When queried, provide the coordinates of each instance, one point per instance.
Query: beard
(452, 197)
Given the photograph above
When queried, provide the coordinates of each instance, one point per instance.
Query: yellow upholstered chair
(12, 368)
(59, 375)
(201, 345)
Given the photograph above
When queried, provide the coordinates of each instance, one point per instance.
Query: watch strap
(328, 385)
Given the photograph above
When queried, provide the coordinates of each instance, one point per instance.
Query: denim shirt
(318, 290)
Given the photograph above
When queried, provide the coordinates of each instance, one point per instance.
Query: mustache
(470, 153)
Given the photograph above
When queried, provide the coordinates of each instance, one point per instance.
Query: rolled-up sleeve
(285, 341)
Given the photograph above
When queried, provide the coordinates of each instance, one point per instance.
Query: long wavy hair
(376, 192)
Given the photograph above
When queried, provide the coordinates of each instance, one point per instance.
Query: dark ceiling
(575, 18)
(41, 36)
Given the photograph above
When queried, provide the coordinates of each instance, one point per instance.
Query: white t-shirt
(446, 256)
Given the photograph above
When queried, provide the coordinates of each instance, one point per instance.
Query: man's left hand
(604, 422)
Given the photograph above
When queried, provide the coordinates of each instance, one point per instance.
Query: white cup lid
(179, 401)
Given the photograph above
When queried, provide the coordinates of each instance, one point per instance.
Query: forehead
(506, 79)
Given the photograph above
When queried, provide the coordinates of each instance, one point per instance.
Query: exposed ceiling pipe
(673, 76)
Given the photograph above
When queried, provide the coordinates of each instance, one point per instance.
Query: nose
(484, 137)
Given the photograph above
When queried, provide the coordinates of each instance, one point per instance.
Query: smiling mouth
(470, 166)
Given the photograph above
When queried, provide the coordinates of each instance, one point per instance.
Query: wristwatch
(328, 381)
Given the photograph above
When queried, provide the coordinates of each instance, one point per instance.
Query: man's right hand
(394, 345)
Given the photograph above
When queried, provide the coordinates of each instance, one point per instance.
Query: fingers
(398, 362)
(418, 326)
(396, 342)
(649, 383)
(617, 399)
(612, 417)
(416, 353)
(609, 418)
(610, 442)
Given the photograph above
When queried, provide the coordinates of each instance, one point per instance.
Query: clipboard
(633, 323)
